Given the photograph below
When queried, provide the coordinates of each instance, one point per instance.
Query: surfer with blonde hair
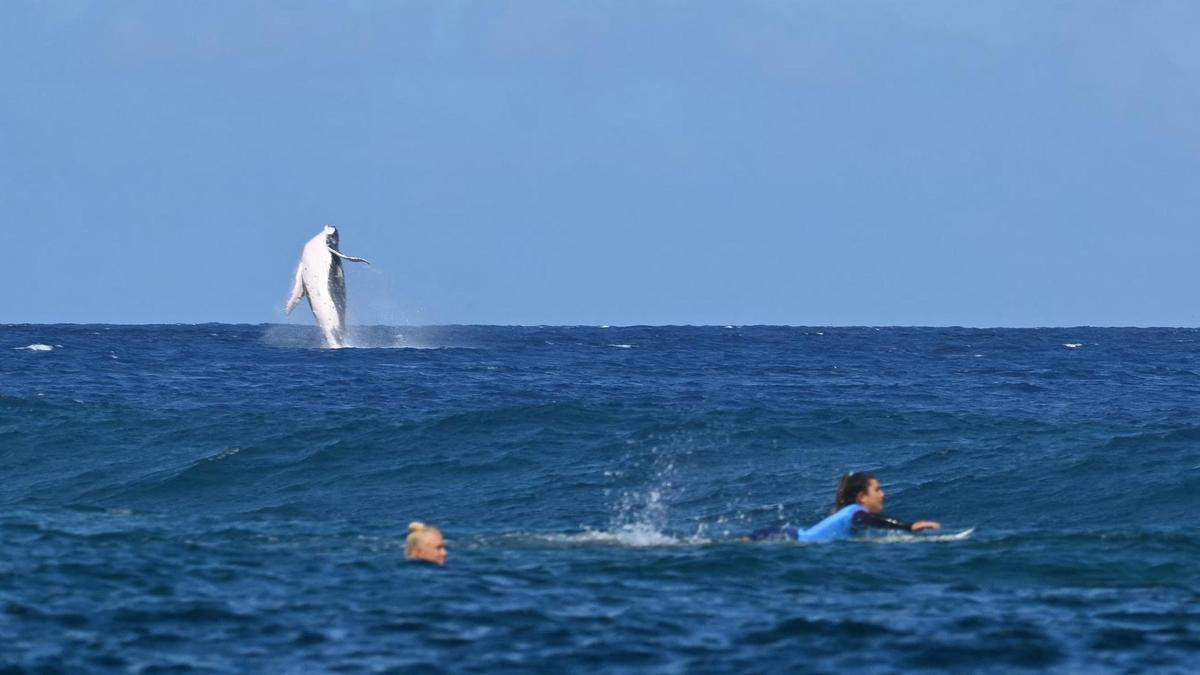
(425, 543)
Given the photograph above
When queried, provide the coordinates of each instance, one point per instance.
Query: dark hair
(850, 487)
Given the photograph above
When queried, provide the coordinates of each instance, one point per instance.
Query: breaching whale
(320, 277)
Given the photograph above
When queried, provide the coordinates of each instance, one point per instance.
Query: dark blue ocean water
(222, 498)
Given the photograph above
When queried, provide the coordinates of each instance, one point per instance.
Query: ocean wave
(215, 482)
(1187, 435)
(37, 347)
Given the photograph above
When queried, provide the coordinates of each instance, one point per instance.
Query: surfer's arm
(865, 519)
(297, 289)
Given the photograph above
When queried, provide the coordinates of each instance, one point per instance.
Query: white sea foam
(364, 337)
(622, 346)
(37, 348)
(228, 452)
(635, 535)
(357, 337)
(1072, 345)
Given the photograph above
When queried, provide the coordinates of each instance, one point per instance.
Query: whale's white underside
(320, 278)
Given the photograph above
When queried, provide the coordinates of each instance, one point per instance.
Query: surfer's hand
(925, 525)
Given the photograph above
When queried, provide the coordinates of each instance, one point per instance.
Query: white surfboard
(916, 538)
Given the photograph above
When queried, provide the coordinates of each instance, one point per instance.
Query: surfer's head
(425, 543)
(859, 488)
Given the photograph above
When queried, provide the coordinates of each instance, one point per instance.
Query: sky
(933, 163)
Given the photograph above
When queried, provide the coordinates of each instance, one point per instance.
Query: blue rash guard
(838, 525)
(841, 525)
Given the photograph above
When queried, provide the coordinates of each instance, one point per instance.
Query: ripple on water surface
(231, 498)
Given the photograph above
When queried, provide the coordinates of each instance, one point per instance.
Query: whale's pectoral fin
(297, 289)
(351, 258)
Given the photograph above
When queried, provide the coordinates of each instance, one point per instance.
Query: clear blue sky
(810, 163)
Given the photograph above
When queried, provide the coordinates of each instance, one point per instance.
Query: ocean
(233, 498)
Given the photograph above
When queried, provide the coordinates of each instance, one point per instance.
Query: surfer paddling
(858, 506)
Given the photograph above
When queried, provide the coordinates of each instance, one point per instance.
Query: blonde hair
(416, 533)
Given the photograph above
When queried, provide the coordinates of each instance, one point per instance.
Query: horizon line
(632, 325)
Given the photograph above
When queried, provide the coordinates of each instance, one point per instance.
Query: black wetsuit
(866, 519)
